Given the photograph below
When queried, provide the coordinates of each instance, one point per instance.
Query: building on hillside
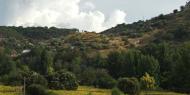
(26, 51)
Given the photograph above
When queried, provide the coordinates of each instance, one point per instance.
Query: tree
(116, 64)
(35, 89)
(88, 76)
(132, 64)
(179, 79)
(104, 80)
(47, 62)
(116, 91)
(129, 86)
(182, 8)
(7, 65)
(35, 78)
(63, 80)
(164, 53)
(175, 11)
(147, 82)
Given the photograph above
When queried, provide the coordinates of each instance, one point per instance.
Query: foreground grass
(160, 93)
(83, 90)
(8, 90)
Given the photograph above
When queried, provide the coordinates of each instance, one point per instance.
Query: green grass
(8, 90)
(83, 90)
(160, 93)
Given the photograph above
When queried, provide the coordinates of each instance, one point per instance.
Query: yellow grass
(8, 90)
(83, 90)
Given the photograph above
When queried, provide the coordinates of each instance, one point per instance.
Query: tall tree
(46, 62)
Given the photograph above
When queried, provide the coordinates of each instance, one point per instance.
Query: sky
(90, 15)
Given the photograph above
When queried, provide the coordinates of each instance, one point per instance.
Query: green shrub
(36, 78)
(63, 80)
(8, 79)
(36, 89)
(129, 86)
(104, 80)
(147, 82)
(116, 91)
(88, 76)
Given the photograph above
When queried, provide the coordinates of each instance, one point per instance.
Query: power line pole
(24, 87)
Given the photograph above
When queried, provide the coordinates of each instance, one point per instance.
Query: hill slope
(172, 27)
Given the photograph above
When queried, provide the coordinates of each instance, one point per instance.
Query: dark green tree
(129, 86)
(63, 80)
(132, 64)
(47, 62)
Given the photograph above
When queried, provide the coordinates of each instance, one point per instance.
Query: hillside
(173, 27)
(149, 55)
(19, 38)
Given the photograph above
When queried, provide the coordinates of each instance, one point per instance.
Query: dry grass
(8, 90)
(83, 90)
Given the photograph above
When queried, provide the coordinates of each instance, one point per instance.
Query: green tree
(63, 80)
(104, 80)
(47, 62)
(179, 79)
(116, 91)
(132, 64)
(129, 86)
(164, 53)
(36, 89)
(88, 76)
(147, 82)
(7, 65)
(35, 78)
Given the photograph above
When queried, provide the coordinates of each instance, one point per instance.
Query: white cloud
(59, 13)
(87, 6)
(116, 17)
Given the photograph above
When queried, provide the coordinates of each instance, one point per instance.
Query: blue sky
(91, 15)
(139, 9)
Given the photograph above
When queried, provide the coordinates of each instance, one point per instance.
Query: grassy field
(83, 90)
(94, 91)
(8, 90)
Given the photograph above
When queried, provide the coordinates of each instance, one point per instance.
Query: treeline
(38, 33)
(155, 66)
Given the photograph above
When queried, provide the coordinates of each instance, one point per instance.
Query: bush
(8, 79)
(129, 86)
(147, 82)
(69, 80)
(88, 76)
(175, 11)
(104, 80)
(63, 80)
(116, 91)
(36, 89)
(36, 78)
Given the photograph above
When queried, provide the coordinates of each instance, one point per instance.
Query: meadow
(83, 90)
